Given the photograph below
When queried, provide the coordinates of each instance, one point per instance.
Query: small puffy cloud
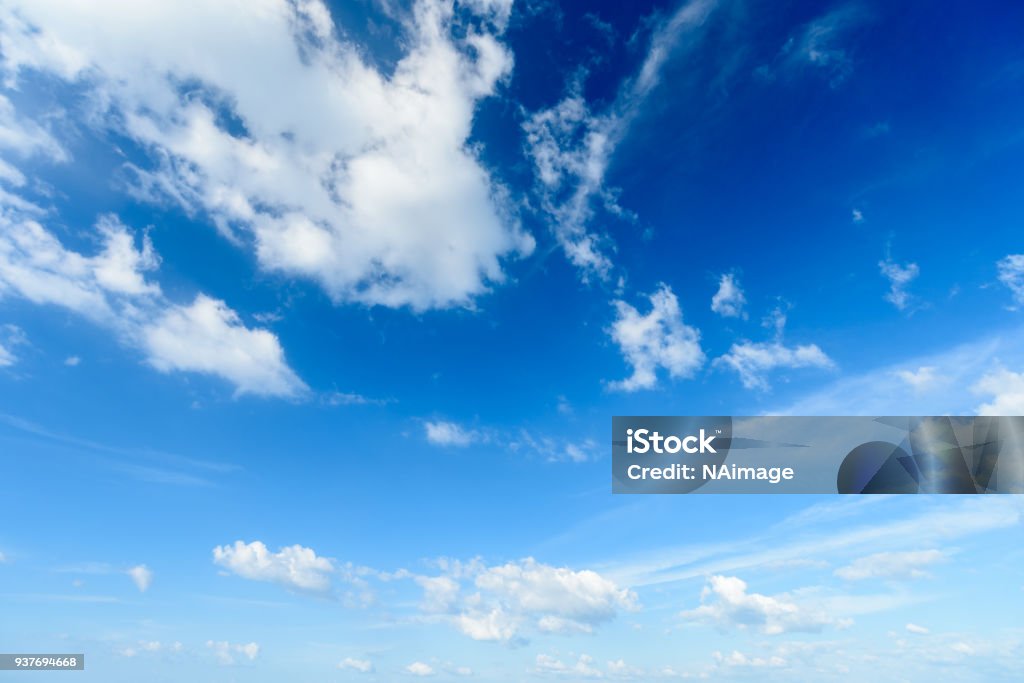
(150, 646)
(142, 576)
(899, 278)
(420, 669)
(489, 624)
(729, 300)
(727, 604)
(1006, 389)
(583, 668)
(580, 598)
(919, 630)
(364, 666)
(444, 433)
(657, 339)
(921, 379)
(208, 337)
(227, 653)
(294, 567)
(72, 361)
(739, 659)
(857, 216)
(1010, 271)
(500, 603)
(754, 360)
(891, 565)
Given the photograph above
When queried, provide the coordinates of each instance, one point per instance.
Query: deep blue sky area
(313, 317)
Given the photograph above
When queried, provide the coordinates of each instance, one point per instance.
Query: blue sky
(313, 318)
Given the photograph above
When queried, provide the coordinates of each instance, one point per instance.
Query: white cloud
(729, 300)
(494, 624)
(890, 565)
(444, 433)
(501, 603)
(819, 46)
(571, 146)
(420, 669)
(10, 337)
(1006, 389)
(110, 288)
(727, 604)
(923, 378)
(899, 277)
(583, 668)
(24, 138)
(72, 361)
(227, 652)
(1011, 273)
(857, 216)
(919, 630)
(369, 188)
(361, 665)
(142, 576)
(739, 659)
(753, 360)
(882, 391)
(208, 337)
(657, 339)
(144, 646)
(293, 566)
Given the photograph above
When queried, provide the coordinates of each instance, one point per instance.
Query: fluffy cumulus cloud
(111, 288)
(739, 659)
(583, 667)
(729, 300)
(228, 653)
(728, 604)
(295, 567)
(505, 602)
(656, 339)
(364, 666)
(420, 669)
(208, 337)
(891, 565)
(1011, 273)
(925, 377)
(444, 433)
(369, 188)
(141, 576)
(899, 278)
(1006, 389)
(753, 361)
